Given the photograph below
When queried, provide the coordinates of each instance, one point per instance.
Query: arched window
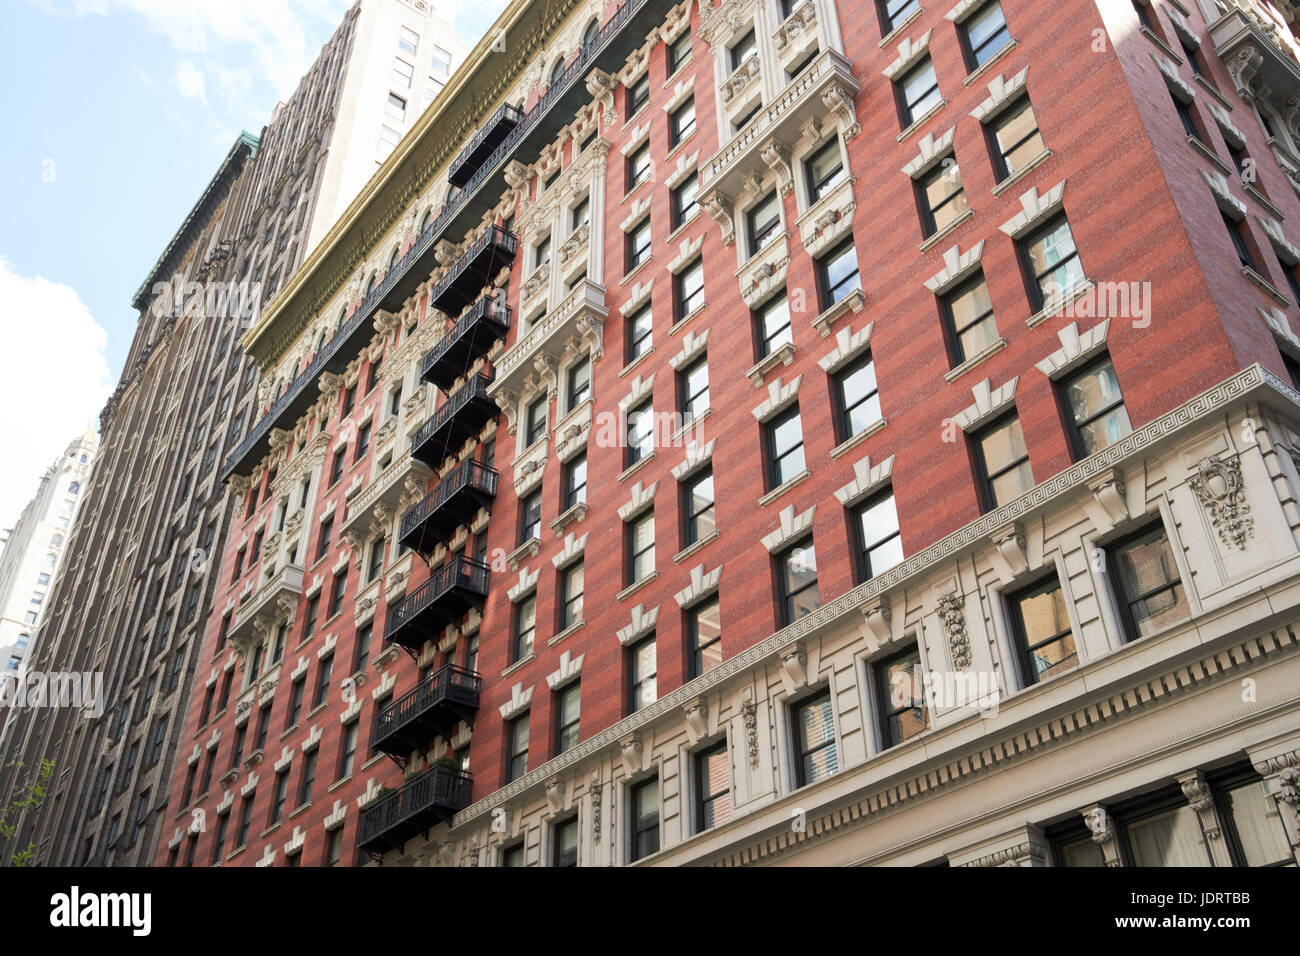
(589, 35)
(557, 70)
(392, 260)
(427, 221)
(370, 283)
(50, 559)
(74, 488)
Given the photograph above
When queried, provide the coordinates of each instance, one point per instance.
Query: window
(323, 542)
(1237, 233)
(763, 221)
(281, 794)
(837, 275)
(894, 12)
(742, 50)
(530, 521)
(899, 692)
(513, 855)
(1041, 626)
(638, 245)
(308, 777)
(968, 320)
(645, 819)
(772, 325)
(295, 702)
(712, 787)
(580, 215)
(245, 820)
(824, 170)
(640, 547)
(219, 844)
(682, 122)
(571, 612)
(984, 35)
(684, 202)
(517, 754)
(1003, 462)
(363, 648)
(579, 379)
(784, 441)
(396, 107)
(525, 628)
(564, 850)
(1052, 262)
(857, 398)
(363, 442)
(1195, 60)
(878, 544)
(388, 139)
(679, 52)
(340, 588)
(1097, 407)
(638, 167)
(688, 290)
(376, 566)
(336, 470)
(402, 73)
(441, 61)
(567, 710)
(263, 726)
(640, 432)
(693, 389)
(940, 197)
(557, 71)
(1015, 140)
(575, 482)
(816, 756)
(1187, 116)
(917, 92)
(535, 421)
(323, 681)
(704, 637)
(797, 582)
(642, 674)
(1144, 15)
(334, 847)
(638, 95)
(408, 40)
(1149, 587)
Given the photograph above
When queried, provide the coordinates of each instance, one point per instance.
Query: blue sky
(116, 114)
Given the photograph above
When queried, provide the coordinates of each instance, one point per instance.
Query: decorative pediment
(570, 669)
(641, 388)
(866, 480)
(957, 267)
(779, 395)
(572, 551)
(519, 701)
(642, 498)
(697, 457)
(848, 346)
(1034, 210)
(909, 53)
(1075, 349)
(693, 344)
(932, 151)
(791, 526)
(703, 584)
(988, 403)
(687, 252)
(527, 583)
(1002, 93)
(685, 167)
(642, 623)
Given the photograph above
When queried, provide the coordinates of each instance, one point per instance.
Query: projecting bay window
(940, 197)
(1040, 625)
(1147, 582)
(917, 93)
(1096, 408)
(1051, 263)
(712, 787)
(900, 697)
(969, 325)
(1002, 462)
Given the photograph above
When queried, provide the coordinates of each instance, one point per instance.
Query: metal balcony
(469, 338)
(422, 803)
(461, 416)
(491, 135)
(452, 590)
(435, 707)
(471, 272)
(471, 485)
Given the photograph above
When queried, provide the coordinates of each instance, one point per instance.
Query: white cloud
(190, 81)
(56, 382)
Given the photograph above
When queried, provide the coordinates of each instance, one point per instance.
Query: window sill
(317, 709)
(377, 758)
(1022, 172)
(979, 71)
(690, 425)
(677, 327)
(567, 517)
(782, 356)
(840, 449)
(777, 492)
(631, 120)
(271, 829)
(284, 735)
(921, 120)
(566, 632)
(947, 230)
(235, 852)
(974, 360)
(302, 809)
(1208, 153)
(623, 372)
(1263, 200)
(1267, 286)
(633, 469)
(1058, 305)
(1146, 32)
(686, 552)
(893, 34)
(518, 665)
(636, 586)
(684, 141)
(677, 231)
(1213, 91)
(529, 549)
(641, 265)
(680, 72)
(339, 783)
(853, 302)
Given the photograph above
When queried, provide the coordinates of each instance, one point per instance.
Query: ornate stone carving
(840, 102)
(719, 206)
(954, 625)
(595, 806)
(1218, 487)
(749, 711)
(777, 158)
(1099, 825)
